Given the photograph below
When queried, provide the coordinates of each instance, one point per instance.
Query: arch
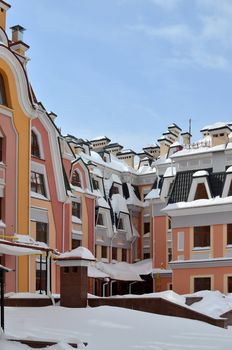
(3, 37)
(13, 68)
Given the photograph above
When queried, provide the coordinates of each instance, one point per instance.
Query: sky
(129, 68)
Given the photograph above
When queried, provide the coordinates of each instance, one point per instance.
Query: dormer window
(201, 192)
(115, 190)
(76, 180)
(100, 220)
(95, 184)
(200, 186)
(3, 100)
(120, 224)
(35, 151)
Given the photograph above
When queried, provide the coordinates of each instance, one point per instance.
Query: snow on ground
(113, 328)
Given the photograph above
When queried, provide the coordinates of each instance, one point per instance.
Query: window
(1, 208)
(180, 240)
(1, 148)
(76, 243)
(146, 227)
(115, 190)
(229, 284)
(120, 224)
(37, 183)
(2, 92)
(76, 181)
(202, 283)
(76, 209)
(34, 145)
(169, 254)
(124, 254)
(41, 277)
(169, 224)
(229, 234)
(100, 220)
(202, 236)
(104, 252)
(42, 232)
(114, 253)
(201, 192)
(146, 256)
(95, 184)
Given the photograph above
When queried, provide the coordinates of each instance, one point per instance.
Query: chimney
(17, 33)
(164, 145)
(186, 138)
(18, 44)
(128, 156)
(3, 8)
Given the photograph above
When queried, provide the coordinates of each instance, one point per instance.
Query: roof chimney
(17, 33)
(3, 8)
(18, 44)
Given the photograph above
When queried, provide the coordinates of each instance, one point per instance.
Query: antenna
(190, 130)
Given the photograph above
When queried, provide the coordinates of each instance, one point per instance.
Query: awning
(16, 250)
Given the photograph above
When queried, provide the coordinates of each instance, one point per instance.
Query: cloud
(166, 4)
(172, 33)
(203, 42)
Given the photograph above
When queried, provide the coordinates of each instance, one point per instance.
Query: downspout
(63, 222)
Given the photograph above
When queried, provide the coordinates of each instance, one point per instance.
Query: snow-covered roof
(153, 194)
(199, 203)
(170, 171)
(121, 271)
(200, 173)
(79, 253)
(133, 199)
(101, 202)
(119, 204)
(96, 171)
(214, 126)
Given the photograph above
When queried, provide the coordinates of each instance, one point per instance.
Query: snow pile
(80, 253)
(213, 304)
(113, 328)
(26, 296)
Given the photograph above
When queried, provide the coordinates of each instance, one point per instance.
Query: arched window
(2, 92)
(76, 180)
(34, 145)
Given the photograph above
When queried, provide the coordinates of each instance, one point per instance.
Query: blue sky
(129, 68)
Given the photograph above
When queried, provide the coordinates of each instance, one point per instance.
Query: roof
(113, 145)
(100, 138)
(183, 181)
(173, 125)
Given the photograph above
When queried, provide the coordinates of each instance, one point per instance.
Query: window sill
(229, 246)
(2, 224)
(38, 196)
(200, 248)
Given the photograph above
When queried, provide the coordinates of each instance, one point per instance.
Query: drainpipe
(130, 286)
(63, 222)
(104, 287)
(111, 287)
